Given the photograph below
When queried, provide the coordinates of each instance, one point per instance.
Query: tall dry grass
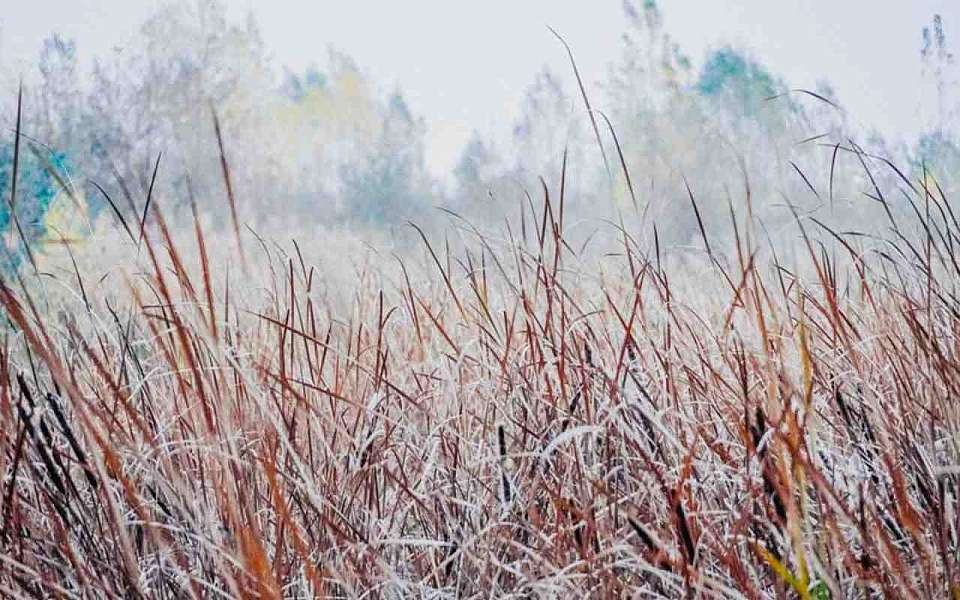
(504, 418)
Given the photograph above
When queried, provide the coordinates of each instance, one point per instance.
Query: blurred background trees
(328, 144)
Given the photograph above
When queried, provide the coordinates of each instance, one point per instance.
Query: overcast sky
(465, 65)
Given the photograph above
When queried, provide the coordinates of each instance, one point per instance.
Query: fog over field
(491, 52)
(432, 299)
(375, 114)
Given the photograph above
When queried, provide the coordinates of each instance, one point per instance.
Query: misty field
(695, 342)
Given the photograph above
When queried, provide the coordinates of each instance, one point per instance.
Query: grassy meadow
(694, 394)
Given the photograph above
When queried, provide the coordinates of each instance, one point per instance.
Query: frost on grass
(720, 365)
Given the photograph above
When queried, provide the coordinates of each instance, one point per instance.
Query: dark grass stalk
(15, 169)
(586, 99)
(229, 185)
(116, 211)
(146, 204)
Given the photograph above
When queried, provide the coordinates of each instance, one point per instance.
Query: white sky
(465, 65)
